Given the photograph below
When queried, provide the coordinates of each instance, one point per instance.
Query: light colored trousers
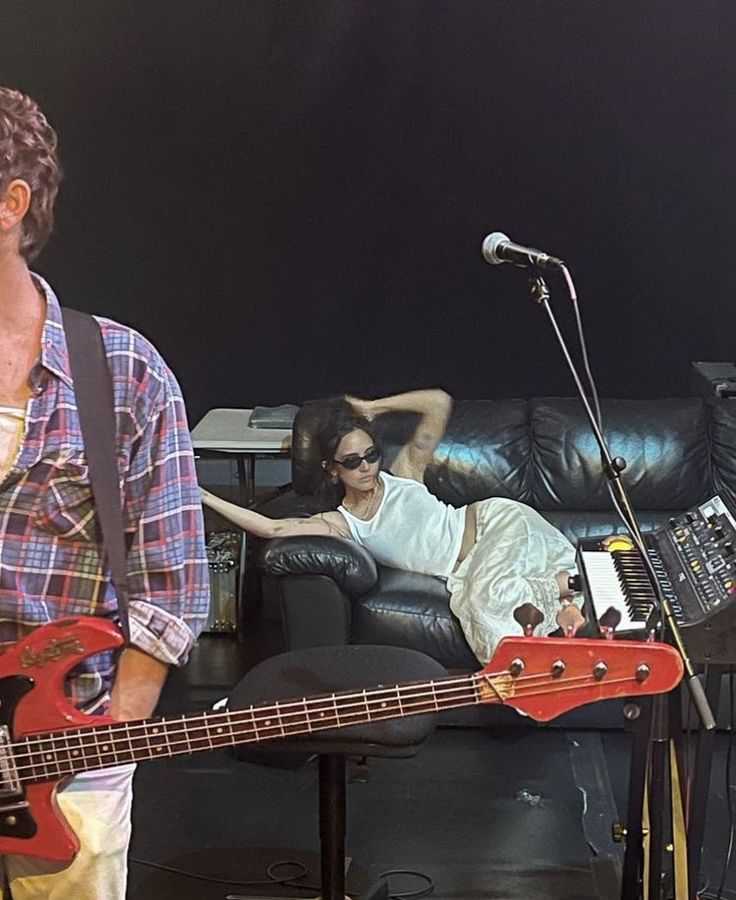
(97, 806)
(513, 561)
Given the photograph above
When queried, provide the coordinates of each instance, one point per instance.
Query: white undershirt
(12, 428)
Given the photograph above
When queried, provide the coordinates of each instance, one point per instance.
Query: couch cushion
(484, 453)
(664, 442)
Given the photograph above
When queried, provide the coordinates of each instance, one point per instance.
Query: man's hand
(138, 683)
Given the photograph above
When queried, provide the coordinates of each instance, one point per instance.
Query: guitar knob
(643, 672)
(516, 667)
(528, 616)
(599, 671)
(558, 668)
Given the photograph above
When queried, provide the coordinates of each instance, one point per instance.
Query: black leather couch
(679, 453)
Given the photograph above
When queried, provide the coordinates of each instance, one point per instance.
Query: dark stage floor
(520, 814)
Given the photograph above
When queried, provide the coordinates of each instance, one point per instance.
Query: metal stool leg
(332, 825)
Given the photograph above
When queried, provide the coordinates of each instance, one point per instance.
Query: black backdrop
(288, 198)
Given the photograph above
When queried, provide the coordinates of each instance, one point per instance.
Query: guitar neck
(58, 754)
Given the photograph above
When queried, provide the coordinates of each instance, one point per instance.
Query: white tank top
(12, 426)
(411, 529)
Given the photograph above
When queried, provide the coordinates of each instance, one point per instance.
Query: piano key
(605, 586)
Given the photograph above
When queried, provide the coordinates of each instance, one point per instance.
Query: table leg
(246, 478)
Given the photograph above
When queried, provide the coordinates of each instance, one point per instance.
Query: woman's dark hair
(339, 419)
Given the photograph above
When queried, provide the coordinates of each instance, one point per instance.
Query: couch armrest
(349, 564)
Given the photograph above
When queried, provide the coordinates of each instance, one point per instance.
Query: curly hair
(28, 151)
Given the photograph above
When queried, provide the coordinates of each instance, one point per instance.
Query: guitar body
(32, 701)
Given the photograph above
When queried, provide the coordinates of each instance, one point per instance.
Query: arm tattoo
(424, 440)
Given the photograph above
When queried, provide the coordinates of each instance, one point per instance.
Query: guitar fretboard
(57, 754)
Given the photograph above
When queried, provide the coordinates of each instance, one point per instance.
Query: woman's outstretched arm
(328, 523)
(433, 404)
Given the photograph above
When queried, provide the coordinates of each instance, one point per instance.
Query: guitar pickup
(9, 780)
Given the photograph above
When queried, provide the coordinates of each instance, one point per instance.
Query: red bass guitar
(44, 739)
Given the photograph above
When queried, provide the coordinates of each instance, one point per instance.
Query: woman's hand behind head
(362, 408)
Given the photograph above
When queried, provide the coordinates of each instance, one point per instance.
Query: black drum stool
(325, 670)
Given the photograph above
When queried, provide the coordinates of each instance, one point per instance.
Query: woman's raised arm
(328, 523)
(433, 404)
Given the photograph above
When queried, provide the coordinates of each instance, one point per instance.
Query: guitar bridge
(9, 780)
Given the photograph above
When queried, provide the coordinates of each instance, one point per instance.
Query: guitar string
(306, 704)
(259, 713)
(253, 735)
(188, 746)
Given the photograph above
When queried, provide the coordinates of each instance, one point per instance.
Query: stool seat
(316, 671)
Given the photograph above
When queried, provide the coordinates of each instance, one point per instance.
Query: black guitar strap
(95, 403)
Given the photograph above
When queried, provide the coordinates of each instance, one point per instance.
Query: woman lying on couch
(495, 554)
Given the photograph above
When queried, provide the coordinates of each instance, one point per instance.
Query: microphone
(498, 248)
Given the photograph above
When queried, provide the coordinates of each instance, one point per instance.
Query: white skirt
(514, 560)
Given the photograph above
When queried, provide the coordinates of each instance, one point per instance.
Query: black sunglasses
(353, 460)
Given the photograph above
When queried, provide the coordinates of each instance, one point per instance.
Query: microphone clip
(538, 288)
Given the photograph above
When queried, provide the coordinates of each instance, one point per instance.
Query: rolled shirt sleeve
(168, 576)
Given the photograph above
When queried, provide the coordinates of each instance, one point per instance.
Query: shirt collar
(54, 352)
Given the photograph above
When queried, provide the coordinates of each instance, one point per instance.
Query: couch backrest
(485, 452)
(664, 442)
(542, 452)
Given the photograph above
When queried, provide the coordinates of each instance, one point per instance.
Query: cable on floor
(409, 895)
(290, 880)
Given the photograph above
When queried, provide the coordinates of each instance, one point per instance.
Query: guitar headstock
(544, 677)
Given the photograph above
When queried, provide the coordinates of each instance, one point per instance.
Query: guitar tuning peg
(570, 619)
(528, 616)
(609, 622)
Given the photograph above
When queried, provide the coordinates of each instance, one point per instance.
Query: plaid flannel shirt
(51, 565)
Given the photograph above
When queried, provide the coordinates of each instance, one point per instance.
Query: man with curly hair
(51, 560)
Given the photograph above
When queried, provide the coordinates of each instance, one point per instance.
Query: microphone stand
(657, 713)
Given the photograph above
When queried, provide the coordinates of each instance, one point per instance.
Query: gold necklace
(366, 514)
